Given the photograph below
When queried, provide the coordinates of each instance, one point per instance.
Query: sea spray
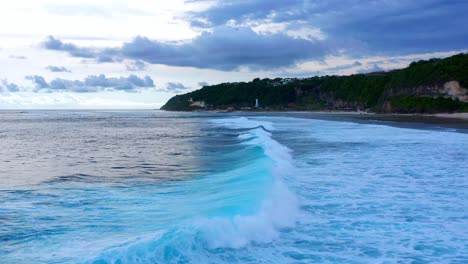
(279, 208)
(193, 241)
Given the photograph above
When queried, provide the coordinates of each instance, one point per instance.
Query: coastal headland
(435, 86)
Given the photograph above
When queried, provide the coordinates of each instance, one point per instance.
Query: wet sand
(457, 121)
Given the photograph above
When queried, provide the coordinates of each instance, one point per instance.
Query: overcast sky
(137, 54)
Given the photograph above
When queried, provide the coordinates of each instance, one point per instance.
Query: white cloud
(91, 19)
(73, 101)
(368, 63)
(109, 23)
(297, 30)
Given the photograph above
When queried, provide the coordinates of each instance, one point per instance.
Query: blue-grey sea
(162, 187)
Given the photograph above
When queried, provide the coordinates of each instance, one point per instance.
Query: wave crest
(197, 241)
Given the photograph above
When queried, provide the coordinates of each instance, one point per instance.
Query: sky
(136, 54)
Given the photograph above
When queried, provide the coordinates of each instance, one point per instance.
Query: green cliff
(436, 85)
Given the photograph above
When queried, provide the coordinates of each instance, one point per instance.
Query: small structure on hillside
(256, 103)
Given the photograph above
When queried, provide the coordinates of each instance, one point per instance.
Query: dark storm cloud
(92, 83)
(351, 27)
(378, 26)
(227, 48)
(224, 48)
(57, 69)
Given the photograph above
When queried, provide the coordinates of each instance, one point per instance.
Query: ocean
(164, 187)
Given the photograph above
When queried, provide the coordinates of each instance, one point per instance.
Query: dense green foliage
(422, 80)
(413, 104)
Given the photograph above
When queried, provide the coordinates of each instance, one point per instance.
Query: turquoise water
(157, 187)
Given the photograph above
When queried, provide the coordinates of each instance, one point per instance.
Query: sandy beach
(458, 121)
(463, 116)
(460, 116)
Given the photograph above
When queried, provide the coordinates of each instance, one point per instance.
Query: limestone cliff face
(455, 91)
(451, 89)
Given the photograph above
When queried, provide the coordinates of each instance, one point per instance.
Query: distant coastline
(457, 121)
(425, 87)
(459, 116)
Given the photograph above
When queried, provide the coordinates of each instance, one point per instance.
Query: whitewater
(159, 187)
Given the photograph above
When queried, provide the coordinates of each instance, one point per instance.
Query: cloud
(227, 48)
(52, 43)
(293, 32)
(100, 55)
(92, 83)
(344, 67)
(175, 87)
(57, 69)
(39, 81)
(16, 57)
(71, 101)
(98, 10)
(135, 66)
(203, 84)
(238, 11)
(372, 67)
(224, 48)
(6, 87)
(361, 27)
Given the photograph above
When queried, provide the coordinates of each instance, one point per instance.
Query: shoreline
(459, 116)
(457, 121)
(463, 116)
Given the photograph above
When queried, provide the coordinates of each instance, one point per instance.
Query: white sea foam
(243, 122)
(279, 209)
(367, 193)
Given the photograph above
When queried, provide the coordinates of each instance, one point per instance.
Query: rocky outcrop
(451, 89)
(387, 107)
(455, 91)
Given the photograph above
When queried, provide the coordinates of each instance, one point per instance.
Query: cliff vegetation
(427, 86)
